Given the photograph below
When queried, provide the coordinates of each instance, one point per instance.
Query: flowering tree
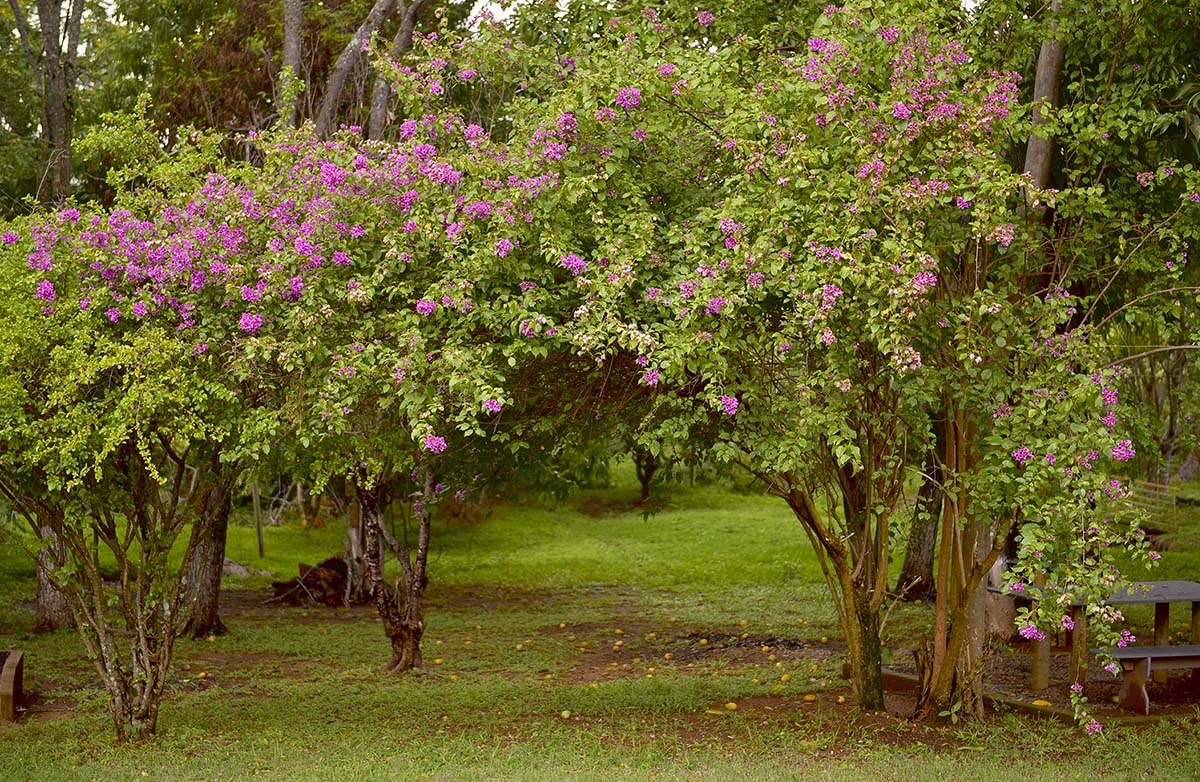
(808, 248)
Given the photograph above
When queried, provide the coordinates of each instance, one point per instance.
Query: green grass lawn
(524, 612)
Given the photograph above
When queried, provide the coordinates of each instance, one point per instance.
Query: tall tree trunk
(345, 63)
(53, 612)
(1039, 152)
(58, 88)
(379, 118)
(915, 581)
(293, 27)
(208, 565)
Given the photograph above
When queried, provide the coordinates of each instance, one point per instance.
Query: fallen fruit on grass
(755, 681)
(212, 638)
(202, 675)
(594, 685)
(1041, 704)
(438, 661)
(787, 677)
(454, 677)
(703, 642)
(561, 625)
(809, 698)
(766, 649)
(743, 623)
(731, 706)
(668, 656)
(618, 631)
(566, 715)
(824, 639)
(841, 699)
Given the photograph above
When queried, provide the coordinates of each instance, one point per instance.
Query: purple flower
(492, 405)
(1031, 633)
(45, 290)
(1067, 622)
(714, 305)
(666, 69)
(574, 263)
(1109, 396)
(901, 111)
(729, 404)
(1018, 588)
(435, 444)
(1155, 556)
(1093, 727)
(1109, 419)
(10, 237)
(340, 258)
(755, 279)
(113, 314)
(1051, 458)
(651, 377)
(200, 349)
(705, 18)
(527, 286)
(1022, 455)
(140, 309)
(605, 114)
(426, 307)
(1126, 639)
(1123, 451)
(250, 323)
(639, 134)
(628, 97)
(503, 247)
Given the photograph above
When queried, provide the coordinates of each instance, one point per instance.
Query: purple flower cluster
(729, 404)
(1031, 633)
(435, 444)
(1022, 455)
(426, 307)
(574, 264)
(492, 405)
(1123, 451)
(628, 97)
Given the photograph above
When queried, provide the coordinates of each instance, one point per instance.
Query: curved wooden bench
(1138, 662)
(10, 684)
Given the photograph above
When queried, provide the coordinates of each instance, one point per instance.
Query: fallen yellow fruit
(703, 642)
(743, 623)
(201, 675)
(809, 698)
(841, 699)
(438, 661)
(787, 677)
(566, 715)
(1041, 704)
(594, 686)
(731, 706)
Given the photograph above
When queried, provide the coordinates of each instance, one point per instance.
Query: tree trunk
(379, 118)
(1039, 152)
(293, 27)
(400, 606)
(645, 466)
(345, 63)
(865, 651)
(916, 576)
(52, 611)
(58, 95)
(207, 567)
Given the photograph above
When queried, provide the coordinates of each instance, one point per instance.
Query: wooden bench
(1138, 662)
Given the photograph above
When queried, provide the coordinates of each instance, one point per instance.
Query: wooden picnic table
(1159, 593)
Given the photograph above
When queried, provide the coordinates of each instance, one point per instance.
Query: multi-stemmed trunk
(400, 604)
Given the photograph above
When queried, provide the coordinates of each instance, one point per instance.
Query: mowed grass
(575, 642)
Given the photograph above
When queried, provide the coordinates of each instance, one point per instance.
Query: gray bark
(293, 27)
(345, 63)
(379, 118)
(53, 612)
(60, 49)
(915, 581)
(1039, 152)
(207, 566)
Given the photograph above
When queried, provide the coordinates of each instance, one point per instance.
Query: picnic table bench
(1138, 662)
